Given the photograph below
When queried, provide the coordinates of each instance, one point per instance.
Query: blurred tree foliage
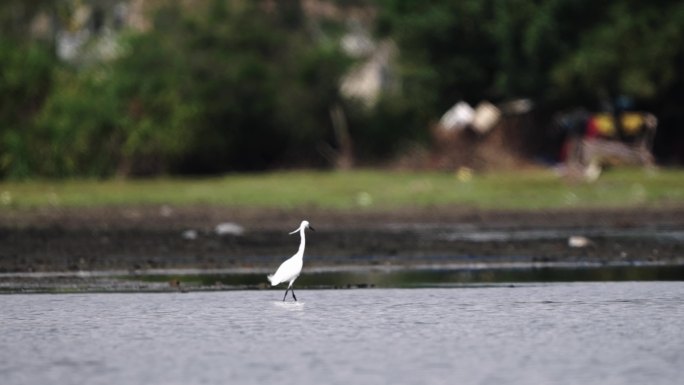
(561, 52)
(248, 85)
(26, 77)
(264, 83)
(219, 87)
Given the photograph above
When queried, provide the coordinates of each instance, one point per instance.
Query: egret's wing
(287, 270)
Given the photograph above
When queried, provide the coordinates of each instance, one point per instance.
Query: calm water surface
(565, 333)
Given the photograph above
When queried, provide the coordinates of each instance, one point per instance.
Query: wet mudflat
(342, 277)
(560, 333)
(147, 238)
(208, 248)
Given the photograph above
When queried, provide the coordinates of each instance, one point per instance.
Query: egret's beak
(311, 228)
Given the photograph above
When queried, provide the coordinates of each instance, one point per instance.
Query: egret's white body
(290, 269)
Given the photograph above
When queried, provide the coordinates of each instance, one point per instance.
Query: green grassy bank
(367, 189)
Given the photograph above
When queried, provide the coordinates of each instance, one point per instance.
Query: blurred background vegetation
(160, 87)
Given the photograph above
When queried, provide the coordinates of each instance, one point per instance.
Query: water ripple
(607, 333)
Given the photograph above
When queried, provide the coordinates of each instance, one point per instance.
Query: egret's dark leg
(294, 296)
(285, 296)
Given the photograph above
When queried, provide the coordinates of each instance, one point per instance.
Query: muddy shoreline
(142, 238)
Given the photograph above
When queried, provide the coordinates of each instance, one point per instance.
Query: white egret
(290, 269)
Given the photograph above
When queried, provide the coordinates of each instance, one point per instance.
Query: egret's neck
(302, 243)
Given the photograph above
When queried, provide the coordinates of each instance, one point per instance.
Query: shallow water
(561, 333)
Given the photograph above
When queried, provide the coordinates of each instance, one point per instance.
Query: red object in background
(592, 129)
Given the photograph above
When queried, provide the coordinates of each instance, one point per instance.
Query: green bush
(128, 117)
(26, 77)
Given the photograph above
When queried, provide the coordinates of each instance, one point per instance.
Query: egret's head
(304, 225)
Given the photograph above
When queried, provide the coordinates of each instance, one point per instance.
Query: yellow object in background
(632, 122)
(605, 124)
